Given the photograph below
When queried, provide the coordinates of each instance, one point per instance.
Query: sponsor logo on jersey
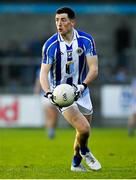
(69, 54)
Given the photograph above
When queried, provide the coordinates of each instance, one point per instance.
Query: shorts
(45, 101)
(84, 104)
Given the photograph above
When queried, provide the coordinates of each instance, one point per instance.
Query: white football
(64, 95)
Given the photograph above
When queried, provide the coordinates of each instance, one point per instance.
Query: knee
(85, 129)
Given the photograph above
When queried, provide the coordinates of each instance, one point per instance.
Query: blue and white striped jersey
(68, 60)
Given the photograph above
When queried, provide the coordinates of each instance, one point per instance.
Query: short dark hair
(67, 10)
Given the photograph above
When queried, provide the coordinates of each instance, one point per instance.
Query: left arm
(92, 62)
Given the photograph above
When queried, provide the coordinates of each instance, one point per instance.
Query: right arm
(47, 58)
(37, 87)
(45, 68)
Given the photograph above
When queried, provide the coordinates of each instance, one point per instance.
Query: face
(63, 23)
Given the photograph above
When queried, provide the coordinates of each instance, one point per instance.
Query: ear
(73, 23)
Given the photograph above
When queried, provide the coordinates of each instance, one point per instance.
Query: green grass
(28, 153)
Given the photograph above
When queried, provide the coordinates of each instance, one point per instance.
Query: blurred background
(26, 25)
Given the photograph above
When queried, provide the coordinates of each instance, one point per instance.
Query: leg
(51, 115)
(91, 161)
(76, 145)
(131, 124)
(79, 122)
(82, 126)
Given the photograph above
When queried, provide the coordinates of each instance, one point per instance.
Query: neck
(69, 36)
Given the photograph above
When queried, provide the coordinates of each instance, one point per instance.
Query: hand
(80, 87)
(79, 90)
(49, 95)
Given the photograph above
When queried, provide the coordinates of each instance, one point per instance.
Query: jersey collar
(76, 35)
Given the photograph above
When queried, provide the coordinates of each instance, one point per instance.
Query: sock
(131, 131)
(84, 150)
(76, 160)
(51, 132)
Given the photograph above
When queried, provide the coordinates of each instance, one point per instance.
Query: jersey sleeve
(47, 54)
(90, 49)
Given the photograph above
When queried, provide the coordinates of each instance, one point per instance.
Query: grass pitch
(28, 153)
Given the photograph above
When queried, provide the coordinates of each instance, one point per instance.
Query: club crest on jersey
(79, 51)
